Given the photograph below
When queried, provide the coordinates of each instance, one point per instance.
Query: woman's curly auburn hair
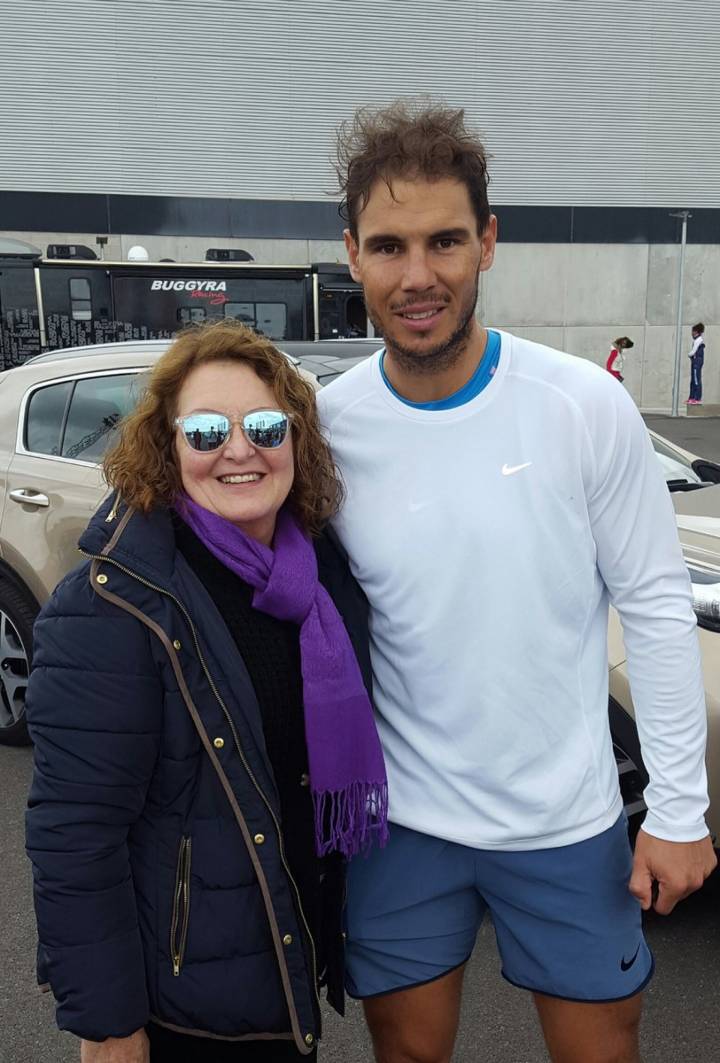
(409, 138)
(143, 465)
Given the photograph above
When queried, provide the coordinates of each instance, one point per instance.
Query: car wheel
(631, 789)
(17, 616)
(632, 774)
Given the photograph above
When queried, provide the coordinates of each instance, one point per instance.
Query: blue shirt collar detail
(477, 382)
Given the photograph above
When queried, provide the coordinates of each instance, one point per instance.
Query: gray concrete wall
(579, 297)
(576, 297)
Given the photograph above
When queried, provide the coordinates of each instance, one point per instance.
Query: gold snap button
(177, 644)
(259, 839)
(287, 940)
(102, 578)
(309, 1039)
(218, 742)
(304, 779)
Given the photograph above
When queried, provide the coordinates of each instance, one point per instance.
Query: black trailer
(49, 303)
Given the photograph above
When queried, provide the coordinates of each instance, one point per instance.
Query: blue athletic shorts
(565, 922)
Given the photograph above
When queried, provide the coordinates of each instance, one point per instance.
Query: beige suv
(57, 414)
(695, 487)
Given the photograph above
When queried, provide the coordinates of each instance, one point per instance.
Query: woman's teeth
(247, 478)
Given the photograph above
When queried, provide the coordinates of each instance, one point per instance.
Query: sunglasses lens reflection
(205, 431)
(266, 428)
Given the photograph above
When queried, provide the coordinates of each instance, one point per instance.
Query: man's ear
(488, 241)
(352, 252)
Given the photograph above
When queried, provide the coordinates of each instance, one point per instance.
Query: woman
(201, 727)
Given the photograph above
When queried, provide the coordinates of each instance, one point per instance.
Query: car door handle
(28, 498)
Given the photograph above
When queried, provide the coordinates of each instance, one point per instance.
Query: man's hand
(679, 868)
(132, 1049)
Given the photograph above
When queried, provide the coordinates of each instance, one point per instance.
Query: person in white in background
(499, 495)
(697, 358)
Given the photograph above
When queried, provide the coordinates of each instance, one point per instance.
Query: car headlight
(706, 597)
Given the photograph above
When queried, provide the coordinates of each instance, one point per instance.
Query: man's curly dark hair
(408, 139)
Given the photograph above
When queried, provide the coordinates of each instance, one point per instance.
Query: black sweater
(270, 649)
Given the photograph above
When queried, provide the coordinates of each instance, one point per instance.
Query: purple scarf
(347, 771)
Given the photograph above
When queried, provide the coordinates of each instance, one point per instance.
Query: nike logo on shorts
(625, 965)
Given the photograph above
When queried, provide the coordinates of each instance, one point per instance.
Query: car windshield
(676, 467)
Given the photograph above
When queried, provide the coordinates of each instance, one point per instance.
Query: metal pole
(684, 214)
(316, 306)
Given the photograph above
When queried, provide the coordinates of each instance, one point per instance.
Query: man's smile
(420, 317)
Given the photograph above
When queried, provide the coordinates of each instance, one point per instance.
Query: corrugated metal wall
(604, 102)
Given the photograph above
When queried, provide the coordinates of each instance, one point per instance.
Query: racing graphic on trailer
(51, 304)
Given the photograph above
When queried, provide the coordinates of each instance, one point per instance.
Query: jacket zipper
(236, 738)
(181, 903)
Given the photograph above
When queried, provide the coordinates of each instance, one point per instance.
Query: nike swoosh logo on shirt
(625, 965)
(508, 470)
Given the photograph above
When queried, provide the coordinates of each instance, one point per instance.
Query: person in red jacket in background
(614, 363)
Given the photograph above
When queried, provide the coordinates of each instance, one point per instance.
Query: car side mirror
(708, 471)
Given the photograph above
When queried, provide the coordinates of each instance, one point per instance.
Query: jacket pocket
(181, 906)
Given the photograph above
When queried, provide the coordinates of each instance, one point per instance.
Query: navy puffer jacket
(161, 888)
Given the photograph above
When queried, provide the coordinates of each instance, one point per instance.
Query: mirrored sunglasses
(208, 430)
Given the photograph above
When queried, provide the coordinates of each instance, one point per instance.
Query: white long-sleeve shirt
(489, 540)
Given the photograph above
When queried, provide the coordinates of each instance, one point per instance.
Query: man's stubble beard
(437, 359)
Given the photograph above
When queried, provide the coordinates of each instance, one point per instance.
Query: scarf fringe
(350, 820)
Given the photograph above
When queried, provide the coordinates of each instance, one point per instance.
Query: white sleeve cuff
(675, 832)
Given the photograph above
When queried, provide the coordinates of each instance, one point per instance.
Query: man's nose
(418, 274)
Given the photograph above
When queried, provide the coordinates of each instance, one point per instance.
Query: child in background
(615, 360)
(697, 357)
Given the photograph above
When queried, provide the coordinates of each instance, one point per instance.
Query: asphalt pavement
(700, 435)
(498, 1023)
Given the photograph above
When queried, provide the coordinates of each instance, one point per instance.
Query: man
(697, 357)
(499, 494)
